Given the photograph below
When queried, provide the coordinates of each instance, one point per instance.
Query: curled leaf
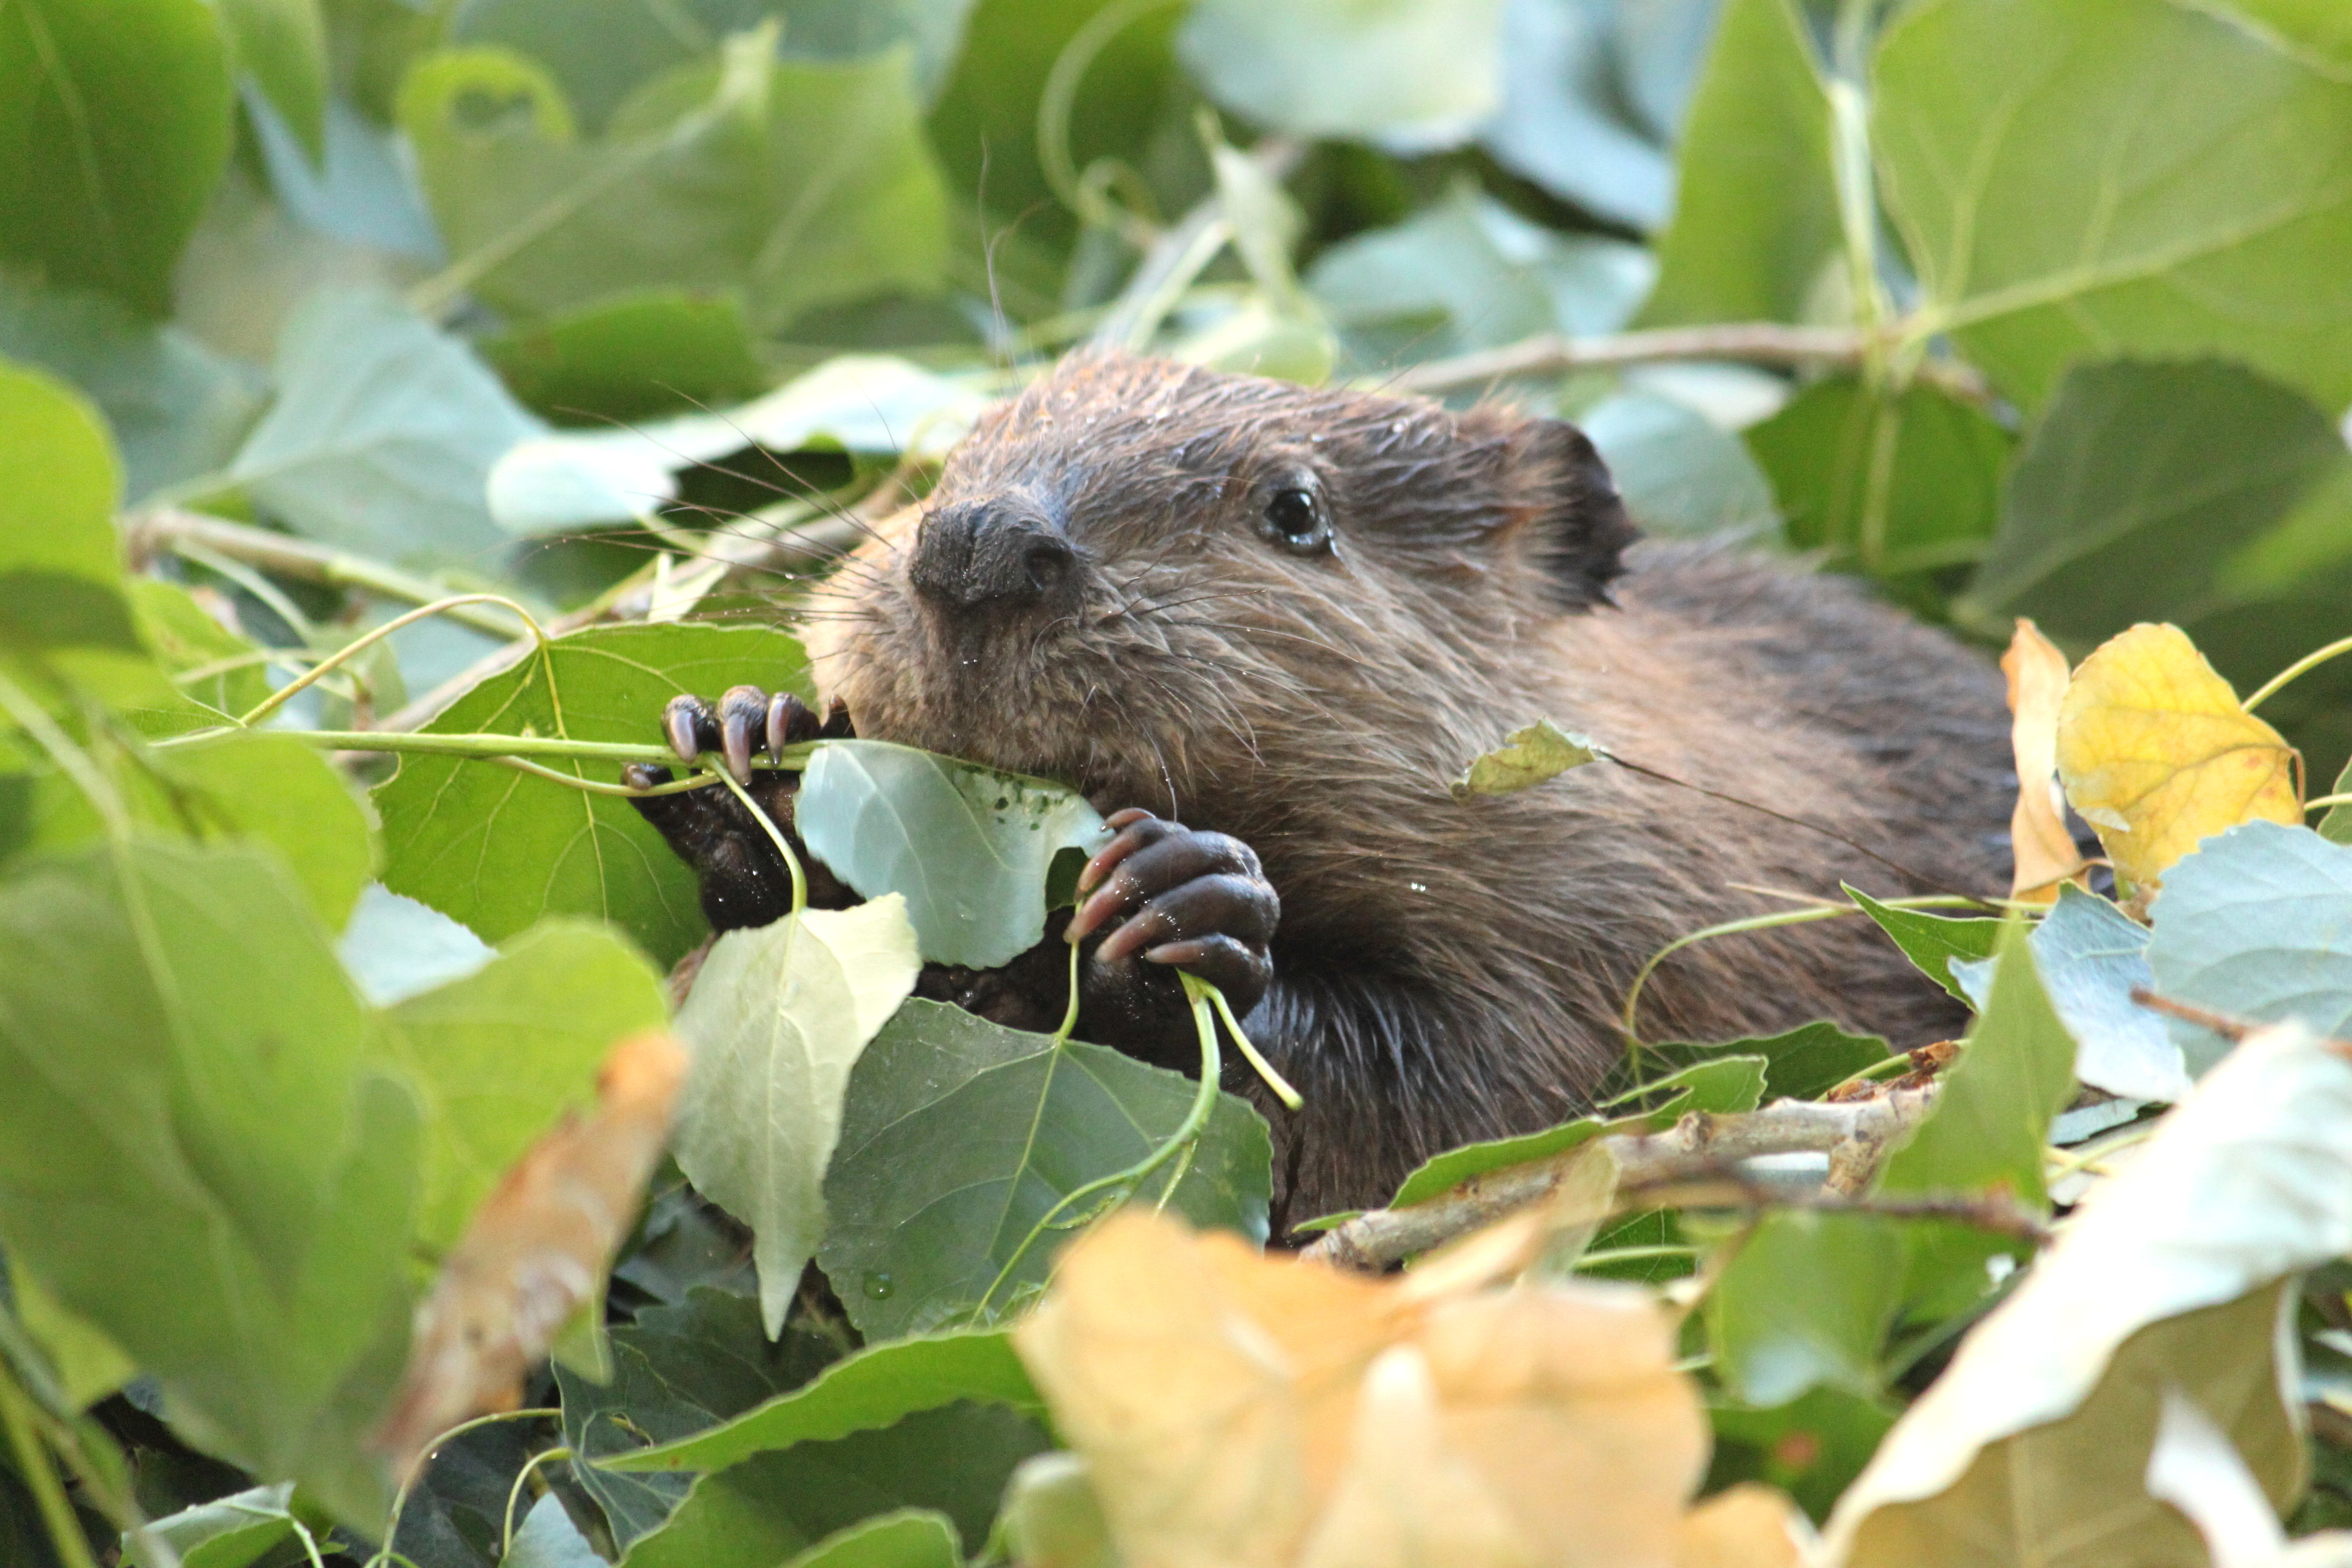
(2157, 753)
(2044, 851)
(1526, 757)
(535, 1250)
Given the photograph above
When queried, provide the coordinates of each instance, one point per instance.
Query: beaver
(1263, 625)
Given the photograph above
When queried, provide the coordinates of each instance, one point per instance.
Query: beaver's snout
(997, 556)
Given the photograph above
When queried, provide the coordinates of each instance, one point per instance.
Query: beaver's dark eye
(1294, 519)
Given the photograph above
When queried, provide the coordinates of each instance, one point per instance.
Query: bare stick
(1700, 1146)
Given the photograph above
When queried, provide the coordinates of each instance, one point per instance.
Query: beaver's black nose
(1001, 553)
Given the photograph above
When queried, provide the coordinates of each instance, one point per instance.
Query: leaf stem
(775, 835)
(506, 1539)
(1070, 1013)
(344, 655)
(2308, 662)
(39, 1474)
(1291, 1099)
(385, 1553)
(1188, 1131)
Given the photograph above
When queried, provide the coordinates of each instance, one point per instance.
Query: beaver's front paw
(744, 881)
(1176, 897)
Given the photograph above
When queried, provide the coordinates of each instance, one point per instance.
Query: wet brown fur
(1315, 708)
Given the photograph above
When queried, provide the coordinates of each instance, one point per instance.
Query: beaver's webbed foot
(744, 881)
(1171, 898)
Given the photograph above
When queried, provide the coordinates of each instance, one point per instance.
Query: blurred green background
(2029, 306)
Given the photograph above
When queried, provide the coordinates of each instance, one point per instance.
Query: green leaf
(1811, 1448)
(280, 793)
(234, 1532)
(601, 49)
(88, 1364)
(758, 1513)
(777, 1019)
(383, 435)
(2165, 1280)
(1806, 1305)
(904, 1538)
(958, 1138)
(1478, 273)
(1526, 757)
(2140, 487)
(114, 128)
(2257, 924)
(798, 183)
(2320, 29)
(2052, 217)
(1414, 75)
(972, 849)
(1804, 1063)
(194, 1157)
(868, 1390)
(676, 1371)
(282, 46)
(1723, 1084)
(497, 850)
(1679, 473)
(632, 357)
(56, 508)
(176, 409)
(2336, 826)
(1932, 941)
(500, 1055)
(1992, 1117)
(1564, 121)
(1756, 207)
(1934, 503)
(1053, 1516)
(184, 637)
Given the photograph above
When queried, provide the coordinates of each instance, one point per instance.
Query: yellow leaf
(2157, 753)
(1239, 1410)
(2044, 851)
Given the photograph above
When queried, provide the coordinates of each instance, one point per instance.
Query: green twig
(1291, 1099)
(506, 1538)
(2307, 662)
(595, 786)
(775, 835)
(345, 654)
(38, 1472)
(385, 1553)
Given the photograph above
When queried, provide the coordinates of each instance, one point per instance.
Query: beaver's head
(1136, 575)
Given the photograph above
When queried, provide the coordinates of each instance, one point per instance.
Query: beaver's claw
(1192, 901)
(747, 720)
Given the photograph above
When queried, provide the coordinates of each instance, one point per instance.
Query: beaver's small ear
(1581, 531)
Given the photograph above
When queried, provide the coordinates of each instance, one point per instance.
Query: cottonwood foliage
(400, 401)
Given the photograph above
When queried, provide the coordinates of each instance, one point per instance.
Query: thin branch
(167, 528)
(1753, 342)
(1700, 1148)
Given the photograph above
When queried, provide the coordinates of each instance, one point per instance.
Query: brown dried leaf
(1235, 1409)
(2045, 852)
(535, 1250)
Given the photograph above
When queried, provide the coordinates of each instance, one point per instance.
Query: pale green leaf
(2117, 176)
(2167, 1275)
(1564, 121)
(1526, 757)
(382, 434)
(778, 1017)
(1411, 74)
(1679, 473)
(903, 1538)
(970, 848)
(282, 46)
(1806, 1303)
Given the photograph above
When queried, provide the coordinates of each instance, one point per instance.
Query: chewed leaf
(1527, 757)
(2159, 755)
(778, 1017)
(535, 1250)
(972, 849)
(2045, 853)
